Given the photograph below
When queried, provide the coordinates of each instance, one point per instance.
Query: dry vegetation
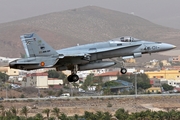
(78, 106)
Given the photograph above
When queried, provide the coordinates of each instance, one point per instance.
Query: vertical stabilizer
(35, 46)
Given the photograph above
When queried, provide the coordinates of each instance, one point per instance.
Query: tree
(25, 111)
(38, 116)
(106, 116)
(107, 91)
(53, 74)
(75, 85)
(62, 75)
(88, 82)
(126, 77)
(14, 111)
(76, 117)
(121, 114)
(56, 74)
(98, 88)
(111, 84)
(143, 85)
(9, 114)
(89, 115)
(99, 115)
(143, 82)
(4, 77)
(167, 87)
(2, 110)
(63, 117)
(161, 64)
(56, 111)
(47, 112)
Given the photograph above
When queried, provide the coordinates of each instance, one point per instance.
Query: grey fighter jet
(82, 57)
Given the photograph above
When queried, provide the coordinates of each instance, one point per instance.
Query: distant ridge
(79, 26)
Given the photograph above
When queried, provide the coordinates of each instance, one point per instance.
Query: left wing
(116, 48)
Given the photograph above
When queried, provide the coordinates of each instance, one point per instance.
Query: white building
(38, 80)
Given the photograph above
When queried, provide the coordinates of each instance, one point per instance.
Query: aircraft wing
(115, 48)
(86, 54)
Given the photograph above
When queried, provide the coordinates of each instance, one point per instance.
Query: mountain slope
(79, 26)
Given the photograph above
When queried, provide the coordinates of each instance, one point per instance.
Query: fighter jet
(83, 57)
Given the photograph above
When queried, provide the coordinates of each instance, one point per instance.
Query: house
(38, 80)
(121, 86)
(12, 73)
(154, 90)
(55, 83)
(109, 76)
(175, 59)
(155, 82)
(165, 74)
(41, 80)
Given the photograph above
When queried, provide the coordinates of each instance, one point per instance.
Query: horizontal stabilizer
(24, 63)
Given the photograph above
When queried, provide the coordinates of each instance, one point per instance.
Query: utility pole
(6, 92)
(135, 84)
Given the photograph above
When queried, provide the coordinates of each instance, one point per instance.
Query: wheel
(69, 78)
(73, 78)
(123, 70)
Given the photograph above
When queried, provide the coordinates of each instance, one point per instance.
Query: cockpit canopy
(128, 39)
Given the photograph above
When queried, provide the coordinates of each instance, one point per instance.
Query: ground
(78, 106)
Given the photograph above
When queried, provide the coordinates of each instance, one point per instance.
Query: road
(89, 97)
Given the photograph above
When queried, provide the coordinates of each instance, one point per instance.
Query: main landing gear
(73, 77)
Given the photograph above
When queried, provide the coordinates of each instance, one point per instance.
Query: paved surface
(104, 97)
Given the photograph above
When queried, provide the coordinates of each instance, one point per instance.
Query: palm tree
(121, 114)
(2, 110)
(14, 111)
(56, 111)
(24, 111)
(63, 117)
(47, 112)
(99, 115)
(38, 116)
(106, 116)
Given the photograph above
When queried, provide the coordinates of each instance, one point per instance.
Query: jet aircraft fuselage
(83, 57)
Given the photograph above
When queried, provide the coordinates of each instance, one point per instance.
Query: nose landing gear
(123, 70)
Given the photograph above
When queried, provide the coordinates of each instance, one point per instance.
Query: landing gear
(73, 77)
(123, 70)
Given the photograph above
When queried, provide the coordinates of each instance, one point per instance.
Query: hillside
(83, 25)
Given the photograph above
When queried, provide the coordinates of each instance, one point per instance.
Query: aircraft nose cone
(168, 46)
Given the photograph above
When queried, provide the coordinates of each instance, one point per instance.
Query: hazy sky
(164, 12)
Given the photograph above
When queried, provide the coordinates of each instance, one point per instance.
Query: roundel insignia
(42, 63)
